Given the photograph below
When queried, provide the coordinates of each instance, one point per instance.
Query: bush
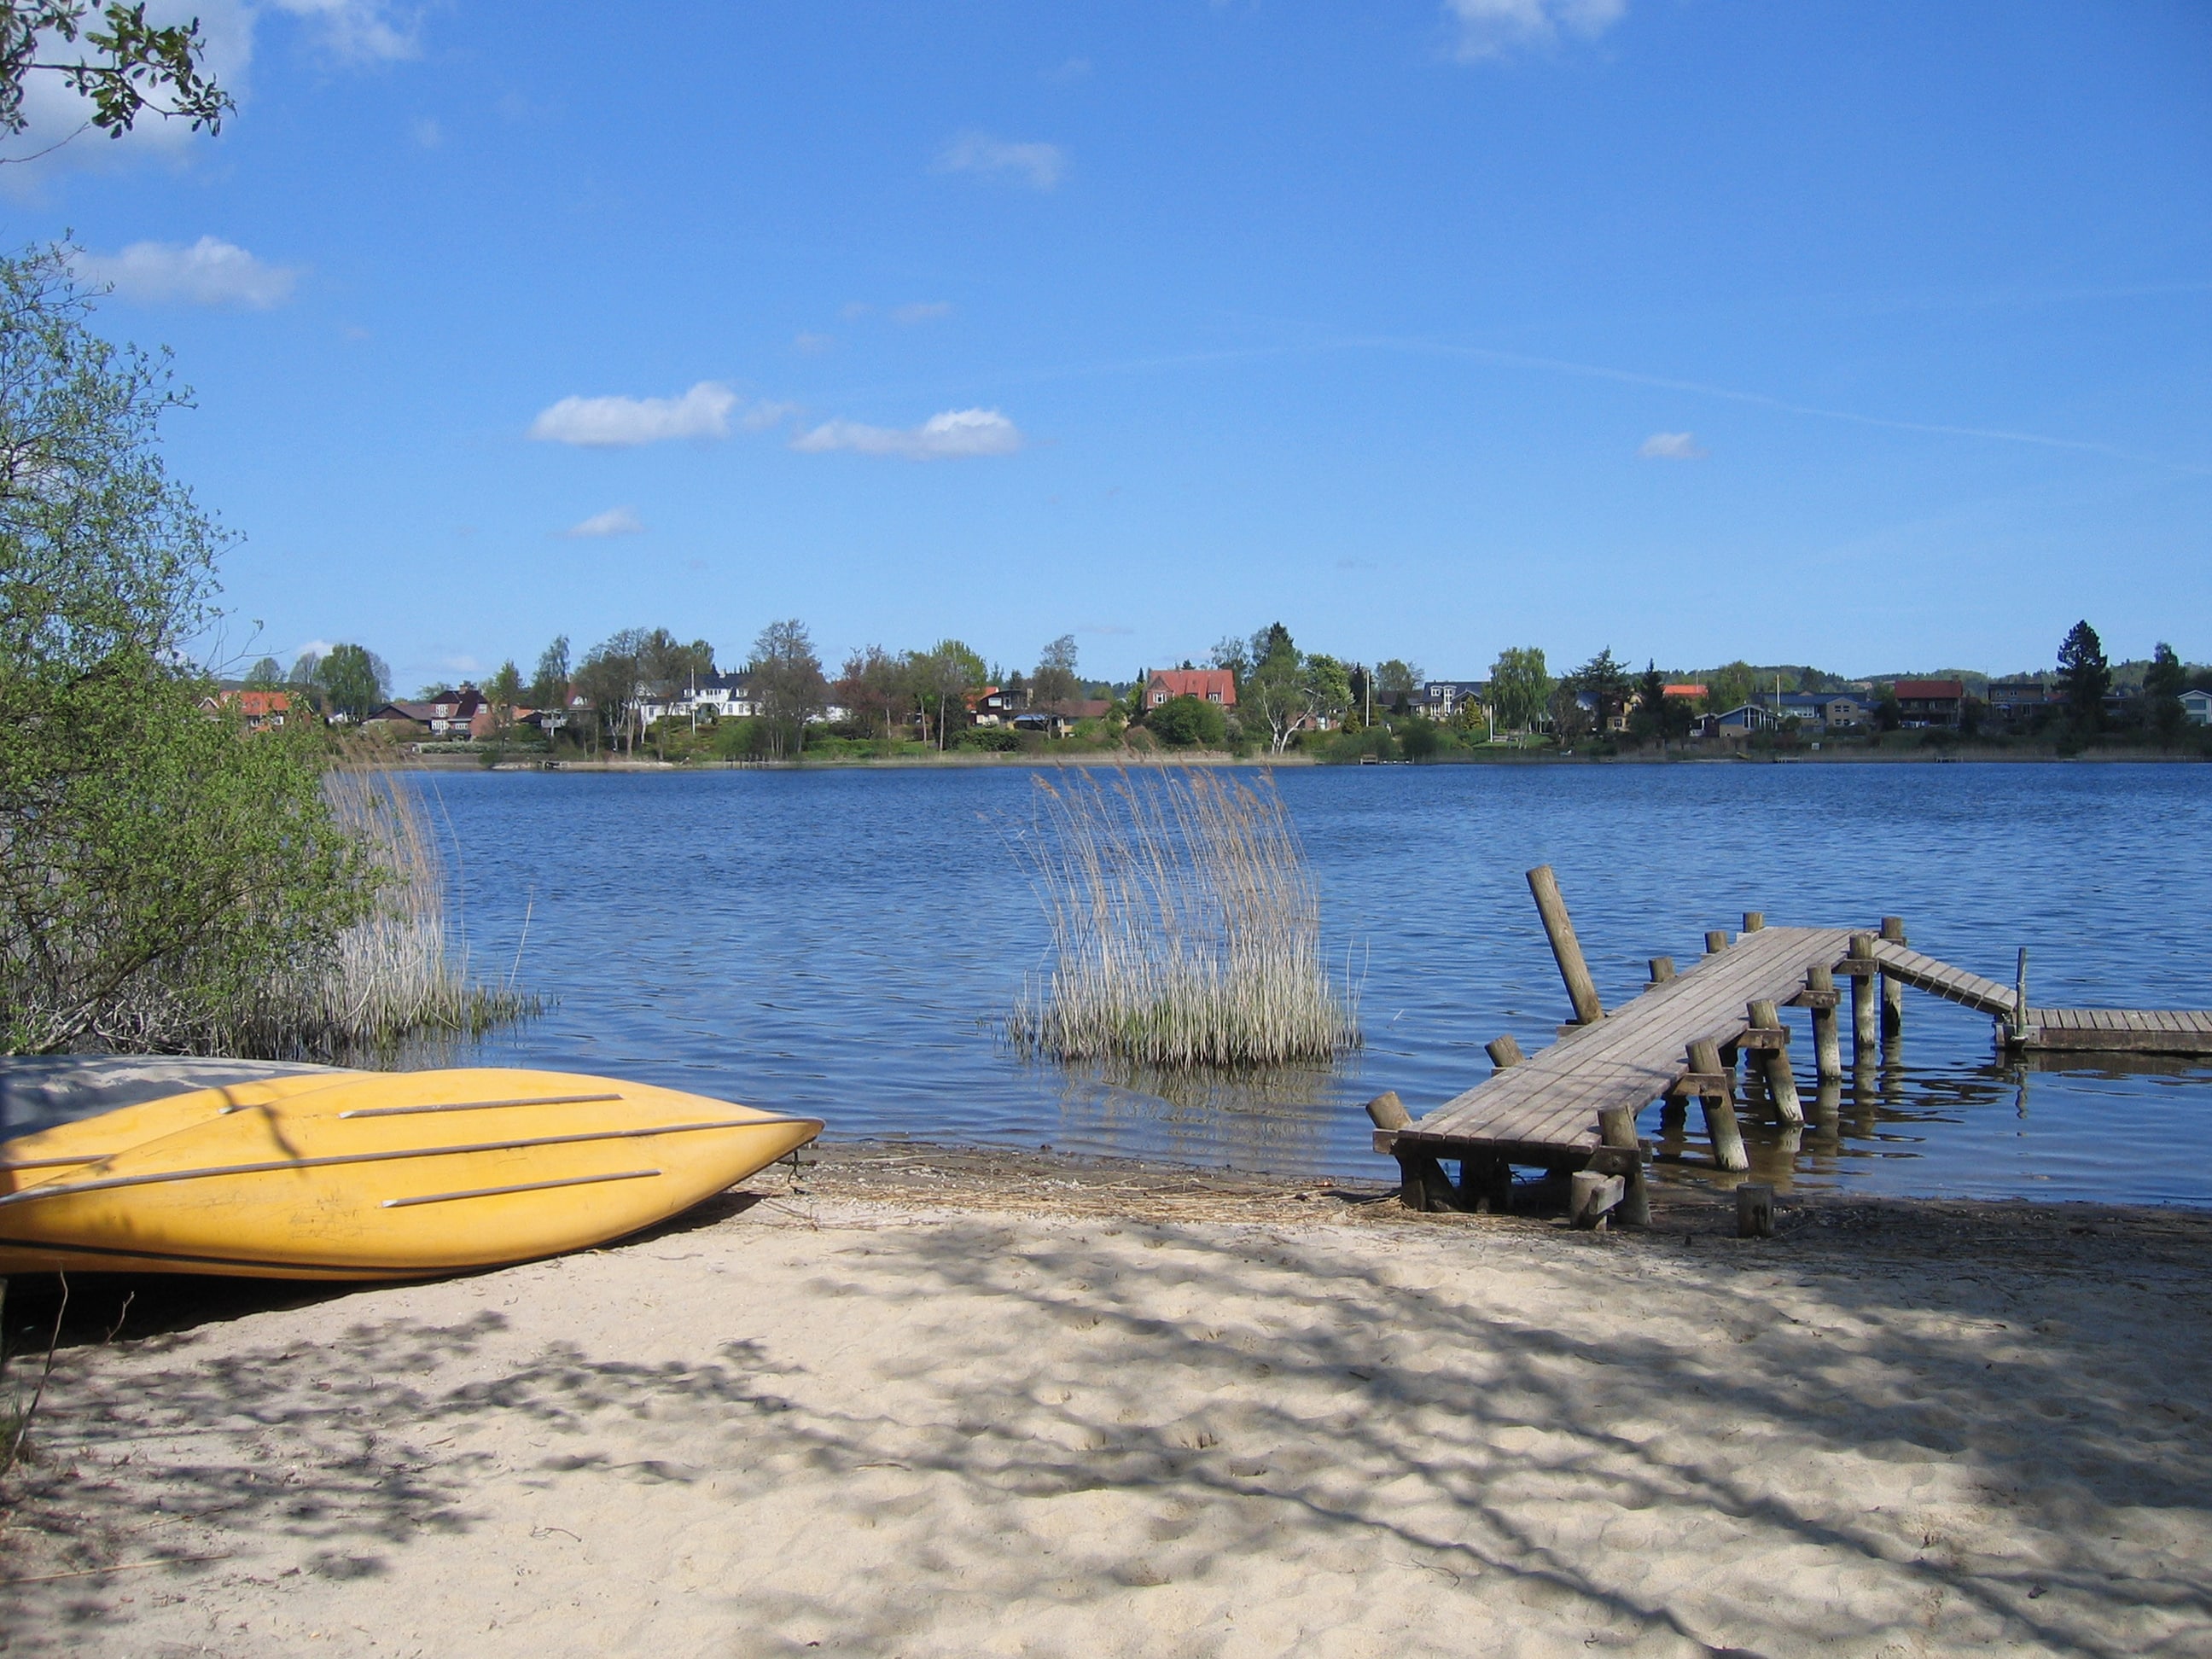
(992, 740)
(1188, 723)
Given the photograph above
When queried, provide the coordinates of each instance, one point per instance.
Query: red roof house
(1216, 685)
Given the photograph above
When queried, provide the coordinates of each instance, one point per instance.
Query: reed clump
(1186, 926)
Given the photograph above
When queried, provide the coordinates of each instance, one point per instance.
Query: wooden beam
(1582, 989)
(1591, 1195)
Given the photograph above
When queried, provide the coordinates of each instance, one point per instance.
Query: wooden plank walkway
(1544, 1111)
(2080, 1031)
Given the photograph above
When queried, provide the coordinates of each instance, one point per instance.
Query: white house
(2196, 708)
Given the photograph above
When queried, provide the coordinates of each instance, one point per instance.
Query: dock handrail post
(1662, 969)
(1774, 1064)
(1705, 1058)
(2020, 999)
(1715, 941)
(1866, 1030)
(1754, 921)
(1828, 1049)
(1616, 1128)
(1893, 988)
(1582, 989)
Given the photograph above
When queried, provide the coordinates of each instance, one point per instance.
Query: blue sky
(1871, 335)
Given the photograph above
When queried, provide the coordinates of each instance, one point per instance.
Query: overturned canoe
(353, 1175)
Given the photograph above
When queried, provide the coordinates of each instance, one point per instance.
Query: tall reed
(1186, 926)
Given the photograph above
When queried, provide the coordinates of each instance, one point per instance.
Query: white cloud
(1672, 447)
(625, 423)
(208, 272)
(1490, 29)
(427, 133)
(1038, 166)
(921, 310)
(362, 31)
(956, 434)
(811, 345)
(615, 521)
(762, 415)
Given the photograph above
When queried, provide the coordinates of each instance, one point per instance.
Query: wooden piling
(1581, 990)
(1421, 1182)
(1754, 1210)
(1591, 1195)
(1720, 1110)
(1616, 1130)
(2020, 999)
(1662, 969)
(1866, 1027)
(1504, 1051)
(1774, 1064)
(1754, 920)
(1828, 1048)
(1387, 1111)
(1893, 988)
(1715, 942)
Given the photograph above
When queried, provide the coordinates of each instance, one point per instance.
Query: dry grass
(1186, 926)
(400, 973)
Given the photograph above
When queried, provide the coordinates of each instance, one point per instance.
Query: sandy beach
(938, 1403)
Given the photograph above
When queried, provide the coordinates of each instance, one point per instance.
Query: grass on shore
(1186, 926)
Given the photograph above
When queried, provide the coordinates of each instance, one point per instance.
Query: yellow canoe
(371, 1174)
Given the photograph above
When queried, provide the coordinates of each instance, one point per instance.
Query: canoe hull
(384, 1177)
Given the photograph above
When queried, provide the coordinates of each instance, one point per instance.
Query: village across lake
(847, 943)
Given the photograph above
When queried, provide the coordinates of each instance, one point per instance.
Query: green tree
(608, 679)
(112, 55)
(1649, 719)
(1327, 689)
(1188, 722)
(1608, 682)
(1520, 687)
(2086, 675)
(941, 679)
(1054, 680)
(873, 690)
(503, 691)
(162, 868)
(1395, 683)
(1419, 736)
(2164, 682)
(354, 680)
(788, 688)
(549, 686)
(1730, 686)
(267, 675)
(1273, 699)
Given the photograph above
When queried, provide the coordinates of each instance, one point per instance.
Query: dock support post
(1504, 1051)
(1662, 969)
(1415, 1169)
(1720, 1111)
(1893, 988)
(1715, 942)
(1616, 1128)
(1774, 1065)
(1581, 990)
(1828, 1050)
(1754, 1210)
(1866, 1032)
(1754, 921)
(2019, 1000)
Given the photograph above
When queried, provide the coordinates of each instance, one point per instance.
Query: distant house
(1820, 711)
(990, 705)
(1587, 701)
(1440, 700)
(258, 709)
(1929, 703)
(1682, 689)
(2196, 708)
(1057, 719)
(1746, 717)
(449, 715)
(2021, 701)
(1215, 685)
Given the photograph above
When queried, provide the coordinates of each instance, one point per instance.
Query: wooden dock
(1570, 1108)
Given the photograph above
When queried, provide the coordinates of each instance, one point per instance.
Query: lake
(846, 943)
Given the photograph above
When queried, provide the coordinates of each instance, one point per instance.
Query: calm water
(845, 943)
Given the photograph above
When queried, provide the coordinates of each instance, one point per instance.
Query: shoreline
(931, 1400)
(990, 760)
